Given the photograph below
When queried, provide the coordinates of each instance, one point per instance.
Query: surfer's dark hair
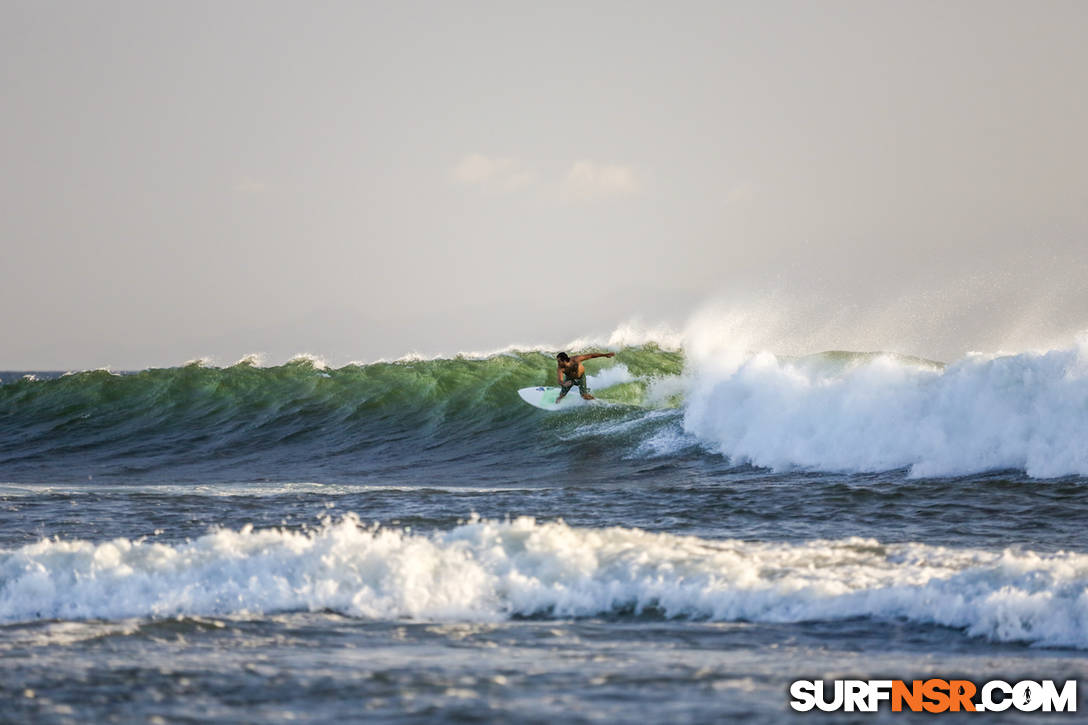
(562, 357)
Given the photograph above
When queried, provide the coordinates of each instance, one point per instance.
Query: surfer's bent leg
(582, 387)
(566, 385)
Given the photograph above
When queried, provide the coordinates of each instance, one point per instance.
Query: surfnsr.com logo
(933, 695)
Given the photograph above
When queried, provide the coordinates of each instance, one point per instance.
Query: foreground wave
(489, 570)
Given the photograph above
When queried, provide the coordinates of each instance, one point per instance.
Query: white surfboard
(544, 398)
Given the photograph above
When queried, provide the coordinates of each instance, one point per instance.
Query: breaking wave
(845, 412)
(490, 570)
(304, 420)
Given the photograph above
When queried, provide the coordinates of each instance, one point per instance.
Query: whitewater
(407, 537)
(487, 571)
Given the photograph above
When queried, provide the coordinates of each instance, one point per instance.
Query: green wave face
(297, 415)
(488, 380)
(388, 421)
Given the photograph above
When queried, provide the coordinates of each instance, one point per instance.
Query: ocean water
(408, 541)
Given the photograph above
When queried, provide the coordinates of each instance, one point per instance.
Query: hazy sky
(365, 179)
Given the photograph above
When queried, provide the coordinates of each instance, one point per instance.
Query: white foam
(665, 440)
(664, 389)
(1027, 411)
(628, 334)
(607, 377)
(253, 360)
(632, 334)
(200, 362)
(103, 369)
(308, 358)
(486, 570)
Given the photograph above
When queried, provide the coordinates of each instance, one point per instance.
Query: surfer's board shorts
(566, 385)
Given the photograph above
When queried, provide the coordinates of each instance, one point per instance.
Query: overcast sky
(366, 179)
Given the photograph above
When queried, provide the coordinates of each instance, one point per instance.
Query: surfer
(571, 372)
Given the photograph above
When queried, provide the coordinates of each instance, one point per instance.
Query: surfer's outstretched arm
(590, 356)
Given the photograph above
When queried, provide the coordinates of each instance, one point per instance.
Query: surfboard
(544, 398)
